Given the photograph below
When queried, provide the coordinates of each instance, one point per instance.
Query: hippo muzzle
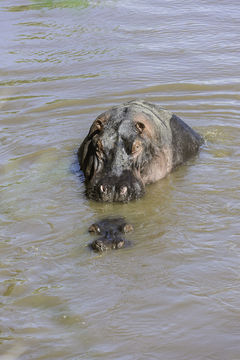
(109, 187)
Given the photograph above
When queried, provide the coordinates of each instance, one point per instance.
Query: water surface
(175, 293)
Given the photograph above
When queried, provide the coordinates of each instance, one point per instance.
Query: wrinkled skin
(112, 231)
(132, 145)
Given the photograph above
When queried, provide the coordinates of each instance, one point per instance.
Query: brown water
(174, 295)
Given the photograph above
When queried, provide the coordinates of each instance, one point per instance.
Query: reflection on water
(175, 293)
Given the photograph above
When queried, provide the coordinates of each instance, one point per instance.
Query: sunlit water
(175, 294)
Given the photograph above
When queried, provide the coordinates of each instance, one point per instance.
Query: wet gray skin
(112, 231)
(132, 145)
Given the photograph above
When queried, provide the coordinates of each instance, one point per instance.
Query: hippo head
(131, 145)
(115, 154)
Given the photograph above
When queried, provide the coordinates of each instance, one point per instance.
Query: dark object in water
(112, 231)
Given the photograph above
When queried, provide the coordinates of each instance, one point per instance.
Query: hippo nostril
(106, 192)
(104, 189)
(123, 190)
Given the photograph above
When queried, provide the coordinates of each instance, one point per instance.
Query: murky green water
(176, 293)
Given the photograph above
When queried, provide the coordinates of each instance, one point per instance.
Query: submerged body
(112, 231)
(132, 145)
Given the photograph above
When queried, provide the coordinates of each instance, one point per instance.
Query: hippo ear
(96, 128)
(140, 126)
(98, 124)
(94, 228)
(127, 228)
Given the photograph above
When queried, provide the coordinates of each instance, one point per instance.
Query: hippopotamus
(112, 231)
(131, 145)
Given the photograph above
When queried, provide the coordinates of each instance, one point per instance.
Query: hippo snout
(112, 188)
(110, 192)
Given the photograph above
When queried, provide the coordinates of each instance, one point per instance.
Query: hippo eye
(99, 148)
(137, 145)
(140, 127)
(98, 145)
